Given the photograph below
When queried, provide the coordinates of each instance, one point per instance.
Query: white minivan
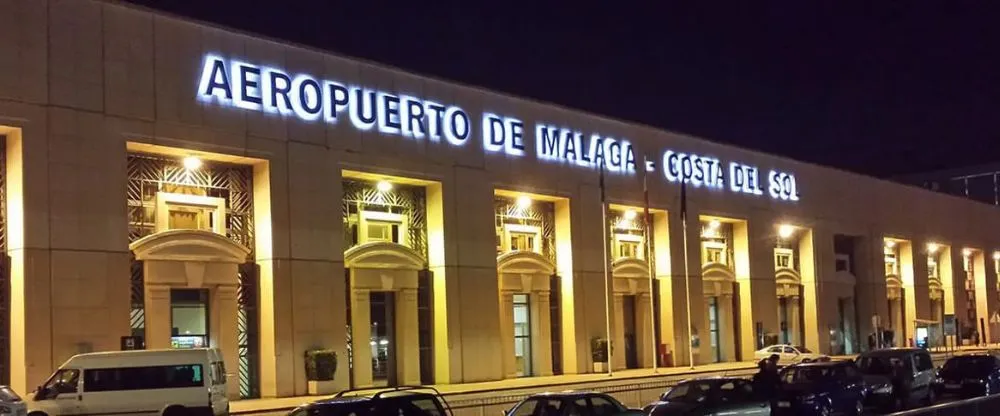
(144, 382)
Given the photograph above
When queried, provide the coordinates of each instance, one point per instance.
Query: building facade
(185, 185)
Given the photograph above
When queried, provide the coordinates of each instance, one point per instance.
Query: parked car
(820, 389)
(11, 403)
(575, 403)
(710, 396)
(969, 375)
(407, 400)
(168, 382)
(887, 391)
(789, 354)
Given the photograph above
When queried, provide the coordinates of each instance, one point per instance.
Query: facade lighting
(966, 252)
(630, 215)
(383, 186)
(785, 231)
(192, 163)
(523, 202)
(996, 255)
(714, 225)
(932, 248)
(890, 243)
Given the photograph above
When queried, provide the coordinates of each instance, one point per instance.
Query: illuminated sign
(274, 91)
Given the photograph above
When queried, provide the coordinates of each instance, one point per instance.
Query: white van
(144, 382)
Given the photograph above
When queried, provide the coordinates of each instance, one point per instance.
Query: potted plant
(599, 353)
(321, 366)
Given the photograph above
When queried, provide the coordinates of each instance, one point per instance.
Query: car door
(789, 355)
(925, 375)
(736, 397)
(62, 394)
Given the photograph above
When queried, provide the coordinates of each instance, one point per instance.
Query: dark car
(710, 396)
(575, 403)
(404, 401)
(969, 375)
(820, 389)
(898, 377)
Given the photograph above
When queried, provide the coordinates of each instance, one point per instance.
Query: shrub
(321, 365)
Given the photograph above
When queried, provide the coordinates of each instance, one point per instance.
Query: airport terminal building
(171, 184)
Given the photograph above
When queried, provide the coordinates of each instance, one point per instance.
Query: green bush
(321, 365)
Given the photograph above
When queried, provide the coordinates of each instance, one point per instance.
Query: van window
(218, 373)
(143, 378)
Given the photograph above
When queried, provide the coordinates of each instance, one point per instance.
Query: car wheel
(859, 407)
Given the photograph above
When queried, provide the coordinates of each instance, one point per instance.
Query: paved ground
(279, 406)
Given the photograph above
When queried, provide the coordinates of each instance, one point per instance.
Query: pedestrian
(761, 382)
(901, 378)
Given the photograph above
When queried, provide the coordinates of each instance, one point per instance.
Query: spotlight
(996, 255)
(192, 163)
(890, 243)
(523, 202)
(932, 248)
(714, 224)
(383, 186)
(966, 252)
(785, 231)
(630, 215)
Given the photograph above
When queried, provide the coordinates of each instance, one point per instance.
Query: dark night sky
(882, 87)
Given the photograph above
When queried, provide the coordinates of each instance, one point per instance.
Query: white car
(789, 354)
(11, 404)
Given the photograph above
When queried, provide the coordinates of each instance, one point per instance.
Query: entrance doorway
(522, 335)
(631, 354)
(189, 318)
(713, 328)
(383, 342)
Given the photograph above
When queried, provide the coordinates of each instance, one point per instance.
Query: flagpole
(607, 290)
(648, 222)
(687, 274)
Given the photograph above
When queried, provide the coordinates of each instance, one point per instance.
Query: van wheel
(37, 414)
(176, 411)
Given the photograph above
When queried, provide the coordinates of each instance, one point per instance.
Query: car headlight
(883, 389)
(808, 398)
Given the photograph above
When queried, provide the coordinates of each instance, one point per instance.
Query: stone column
(727, 328)
(158, 319)
(407, 342)
(507, 334)
(541, 331)
(897, 320)
(618, 331)
(794, 319)
(223, 325)
(643, 330)
(361, 335)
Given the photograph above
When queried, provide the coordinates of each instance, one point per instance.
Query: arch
(383, 255)
(717, 271)
(630, 268)
(524, 262)
(787, 276)
(189, 245)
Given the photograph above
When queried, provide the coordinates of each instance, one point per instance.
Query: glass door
(713, 328)
(522, 335)
(189, 318)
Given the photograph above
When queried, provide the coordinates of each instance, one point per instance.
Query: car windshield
(809, 374)
(969, 364)
(690, 392)
(875, 365)
(803, 350)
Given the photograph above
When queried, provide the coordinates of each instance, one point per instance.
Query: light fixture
(932, 247)
(523, 202)
(714, 224)
(785, 231)
(966, 252)
(890, 243)
(383, 186)
(192, 163)
(996, 255)
(630, 215)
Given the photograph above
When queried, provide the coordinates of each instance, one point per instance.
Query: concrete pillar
(158, 319)
(992, 297)
(223, 326)
(618, 328)
(644, 330)
(541, 334)
(361, 335)
(817, 263)
(870, 287)
(898, 319)
(507, 334)
(407, 342)
(756, 275)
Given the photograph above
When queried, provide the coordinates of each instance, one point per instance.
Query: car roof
(889, 352)
(567, 393)
(823, 364)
